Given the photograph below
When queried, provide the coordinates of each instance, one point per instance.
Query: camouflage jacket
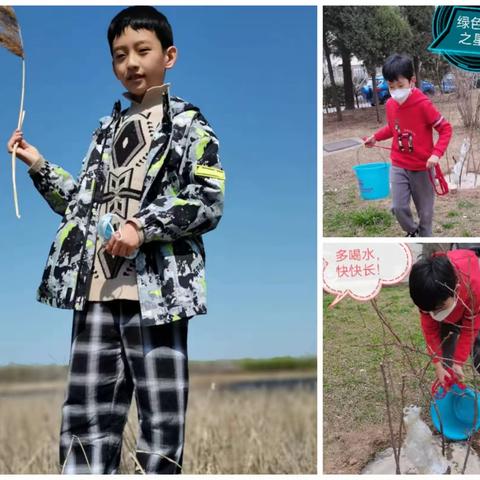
(182, 198)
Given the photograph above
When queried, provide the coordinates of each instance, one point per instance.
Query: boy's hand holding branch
(122, 244)
(25, 152)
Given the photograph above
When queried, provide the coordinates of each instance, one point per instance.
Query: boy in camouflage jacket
(122, 345)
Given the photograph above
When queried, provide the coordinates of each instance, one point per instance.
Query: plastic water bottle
(106, 228)
(419, 447)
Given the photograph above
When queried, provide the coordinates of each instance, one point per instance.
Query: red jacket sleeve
(442, 126)
(383, 134)
(431, 333)
(468, 332)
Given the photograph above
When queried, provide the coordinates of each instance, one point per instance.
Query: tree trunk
(326, 49)
(438, 80)
(374, 94)
(347, 79)
(416, 69)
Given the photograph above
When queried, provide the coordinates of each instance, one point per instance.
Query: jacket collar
(153, 96)
(162, 137)
(172, 106)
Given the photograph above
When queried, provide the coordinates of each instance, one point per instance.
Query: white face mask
(108, 225)
(443, 314)
(400, 94)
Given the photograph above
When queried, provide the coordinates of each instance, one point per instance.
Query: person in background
(446, 289)
(411, 119)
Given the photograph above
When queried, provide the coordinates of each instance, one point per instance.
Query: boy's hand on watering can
(441, 373)
(370, 141)
(458, 371)
(432, 161)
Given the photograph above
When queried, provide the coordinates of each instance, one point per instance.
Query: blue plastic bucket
(373, 180)
(457, 411)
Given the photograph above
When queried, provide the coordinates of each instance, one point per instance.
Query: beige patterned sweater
(115, 277)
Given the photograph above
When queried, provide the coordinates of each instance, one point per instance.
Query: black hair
(432, 280)
(138, 17)
(397, 65)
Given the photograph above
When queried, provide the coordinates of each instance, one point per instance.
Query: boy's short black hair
(432, 280)
(138, 17)
(397, 65)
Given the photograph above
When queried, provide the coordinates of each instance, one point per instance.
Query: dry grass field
(255, 431)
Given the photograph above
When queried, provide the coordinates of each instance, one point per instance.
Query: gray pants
(407, 184)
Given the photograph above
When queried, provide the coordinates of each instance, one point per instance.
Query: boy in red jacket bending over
(446, 289)
(411, 118)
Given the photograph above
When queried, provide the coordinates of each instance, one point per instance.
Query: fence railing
(359, 102)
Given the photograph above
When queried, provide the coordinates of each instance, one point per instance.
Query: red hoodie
(411, 123)
(466, 313)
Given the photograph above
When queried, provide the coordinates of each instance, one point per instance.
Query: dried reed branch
(10, 36)
(161, 455)
(389, 416)
(34, 457)
(400, 428)
(75, 437)
(11, 39)
(137, 463)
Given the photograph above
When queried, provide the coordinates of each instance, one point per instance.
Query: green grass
(279, 363)
(14, 373)
(353, 348)
(371, 221)
(346, 215)
(353, 351)
(448, 225)
(329, 193)
(465, 204)
(371, 217)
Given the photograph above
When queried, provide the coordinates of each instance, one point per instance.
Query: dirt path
(346, 215)
(348, 452)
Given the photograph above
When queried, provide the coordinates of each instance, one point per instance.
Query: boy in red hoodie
(411, 118)
(446, 289)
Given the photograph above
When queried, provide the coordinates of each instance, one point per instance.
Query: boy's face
(139, 61)
(444, 309)
(401, 82)
(447, 304)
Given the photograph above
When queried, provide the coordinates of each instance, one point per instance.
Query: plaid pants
(111, 355)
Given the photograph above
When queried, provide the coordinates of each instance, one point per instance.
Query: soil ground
(346, 215)
(355, 425)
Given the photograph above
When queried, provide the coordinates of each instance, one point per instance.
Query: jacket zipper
(89, 279)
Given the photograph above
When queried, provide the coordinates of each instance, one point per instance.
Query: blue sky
(252, 72)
